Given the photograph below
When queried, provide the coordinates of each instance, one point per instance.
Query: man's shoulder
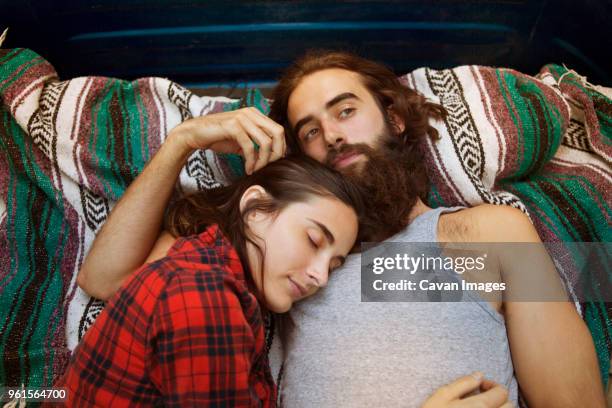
(488, 223)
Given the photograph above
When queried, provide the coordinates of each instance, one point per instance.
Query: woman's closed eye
(315, 239)
(312, 241)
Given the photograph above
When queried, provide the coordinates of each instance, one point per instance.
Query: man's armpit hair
(456, 229)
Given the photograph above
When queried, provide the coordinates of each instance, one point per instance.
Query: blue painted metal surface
(227, 42)
(303, 27)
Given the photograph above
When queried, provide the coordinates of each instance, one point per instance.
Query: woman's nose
(319, 273)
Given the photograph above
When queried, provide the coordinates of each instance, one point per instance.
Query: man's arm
(552, 350)
(128, 235)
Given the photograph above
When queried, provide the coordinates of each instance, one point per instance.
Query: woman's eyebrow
(326, 232)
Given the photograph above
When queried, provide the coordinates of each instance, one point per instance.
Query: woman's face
(301, 245)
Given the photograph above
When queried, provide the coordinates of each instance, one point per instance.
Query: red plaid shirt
(182, 331)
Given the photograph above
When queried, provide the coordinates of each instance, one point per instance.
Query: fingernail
(477, 375)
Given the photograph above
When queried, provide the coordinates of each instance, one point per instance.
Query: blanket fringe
(3, 36)
(583, 80)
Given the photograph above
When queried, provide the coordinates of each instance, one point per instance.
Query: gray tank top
(345, 353)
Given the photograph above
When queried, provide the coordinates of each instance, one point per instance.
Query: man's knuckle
(232, 122)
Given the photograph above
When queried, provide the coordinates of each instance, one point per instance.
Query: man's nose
(333, 136)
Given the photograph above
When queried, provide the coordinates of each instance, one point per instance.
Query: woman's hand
(236, 131)
(459, 394)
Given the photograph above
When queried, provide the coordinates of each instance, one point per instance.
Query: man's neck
(419, 208)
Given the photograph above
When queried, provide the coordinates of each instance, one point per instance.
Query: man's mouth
(345, 159)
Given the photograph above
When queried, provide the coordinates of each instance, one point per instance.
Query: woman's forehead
(329, 211)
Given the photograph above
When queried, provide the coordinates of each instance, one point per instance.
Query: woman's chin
(280, 307)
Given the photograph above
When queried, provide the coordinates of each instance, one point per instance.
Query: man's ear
(254, 192)
(397, 122)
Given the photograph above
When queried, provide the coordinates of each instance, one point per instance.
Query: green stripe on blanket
(35, 234)
(539, 124)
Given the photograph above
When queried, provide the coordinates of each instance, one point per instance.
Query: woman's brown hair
(414, 109)
(288, 180)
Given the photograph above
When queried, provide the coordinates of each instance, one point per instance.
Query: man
(354, 115)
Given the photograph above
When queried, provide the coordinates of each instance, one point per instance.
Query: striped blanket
(70, 148)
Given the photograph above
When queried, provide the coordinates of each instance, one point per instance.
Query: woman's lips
(297, 290)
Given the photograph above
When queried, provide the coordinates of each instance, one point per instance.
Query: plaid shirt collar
(212, 239)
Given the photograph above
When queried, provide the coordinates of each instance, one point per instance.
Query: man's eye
(310, 134)
(345, 113)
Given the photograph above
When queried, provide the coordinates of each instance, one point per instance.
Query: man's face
(332, 108)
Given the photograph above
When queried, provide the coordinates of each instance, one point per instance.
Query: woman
(187, 328)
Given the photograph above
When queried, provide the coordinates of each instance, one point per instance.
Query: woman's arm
(126, 239)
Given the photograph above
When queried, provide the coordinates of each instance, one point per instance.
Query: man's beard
(392, 179)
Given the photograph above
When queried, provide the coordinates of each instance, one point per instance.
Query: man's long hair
(383, 84)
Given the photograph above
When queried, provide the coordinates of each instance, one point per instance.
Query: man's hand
(235, 132)
(129, 234)
(458, 394)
